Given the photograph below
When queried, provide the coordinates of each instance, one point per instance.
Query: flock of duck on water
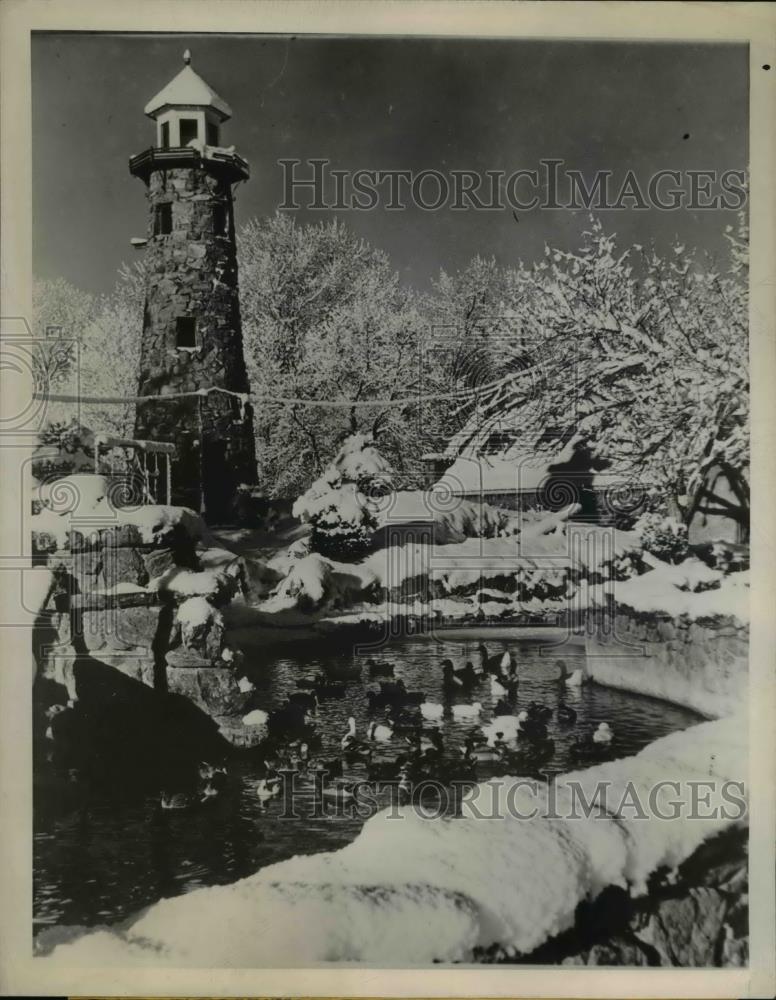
(406, 721)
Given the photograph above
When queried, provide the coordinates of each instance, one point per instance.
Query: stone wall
(701, 664)
(192, 272)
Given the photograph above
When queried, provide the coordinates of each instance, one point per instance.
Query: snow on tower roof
(188, 88)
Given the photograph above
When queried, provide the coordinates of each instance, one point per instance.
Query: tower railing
(231, 164)
(146, 463)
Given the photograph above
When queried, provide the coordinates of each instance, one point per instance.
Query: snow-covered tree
(326, 319)
(89, 346)
(649, 367)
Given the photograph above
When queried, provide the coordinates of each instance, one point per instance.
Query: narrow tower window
(165, 135)
(185, 331)
(163, 219)
(220, 219)
(212, 134)
(189, 130)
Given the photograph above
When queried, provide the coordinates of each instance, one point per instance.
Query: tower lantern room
(192, 369)
(187, 111)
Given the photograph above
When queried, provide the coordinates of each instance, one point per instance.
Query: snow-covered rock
(202, 628)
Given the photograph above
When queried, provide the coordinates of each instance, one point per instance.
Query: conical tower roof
(188, 88)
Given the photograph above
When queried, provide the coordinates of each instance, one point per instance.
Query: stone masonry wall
(192, 271)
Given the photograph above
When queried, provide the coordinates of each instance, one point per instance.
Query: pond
(100, 857)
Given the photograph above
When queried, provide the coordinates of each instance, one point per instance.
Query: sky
(384, 103)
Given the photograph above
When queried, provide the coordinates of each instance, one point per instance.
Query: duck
(289, 718)
(350, 738)
(267, 789)
(385, 770)
(431, 711)
(507, 665)
(535, 752)
(378, 733)
(340, 672)
(357, 753)
(503, 707)
(573, 680)
(503, 688)
(422, 743)
(209, 792)
(490, 664)
(401, 719)
(209, 771)
(473, 754)
(245, 685)
(450, 680)
(337, 791)
(466, 674)
(379, 668)
(378, 699)
(508, 725)
(467, 711)
(178, 800)
(469, 670)
(532, 729)
(328, 689)
(452, 771)
(305, 700)
(540, 712)
(566, 714)
(393, 693)
(332, 767)
(603, 734)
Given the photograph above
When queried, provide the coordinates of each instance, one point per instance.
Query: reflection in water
(98, 857)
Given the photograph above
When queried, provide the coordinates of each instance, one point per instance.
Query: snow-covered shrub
(663, 536)
(336, 504)
(342, 524)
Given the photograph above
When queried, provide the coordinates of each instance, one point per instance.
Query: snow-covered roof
(491, 475)
(505, 472)
(188, 88)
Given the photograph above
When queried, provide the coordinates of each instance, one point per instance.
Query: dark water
(100, 858)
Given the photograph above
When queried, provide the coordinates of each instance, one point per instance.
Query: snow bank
(691, 589)
(314, 583)
(95, 500)
(452, 520)
(415, 891)
(220, 579)
(530, 572)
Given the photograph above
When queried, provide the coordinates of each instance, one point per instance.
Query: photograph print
(390, 501)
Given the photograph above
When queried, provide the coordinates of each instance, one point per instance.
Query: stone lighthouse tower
(192, 337)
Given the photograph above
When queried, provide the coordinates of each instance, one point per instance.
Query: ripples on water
(100, 858)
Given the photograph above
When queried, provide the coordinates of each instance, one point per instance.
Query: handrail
(165, 448)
